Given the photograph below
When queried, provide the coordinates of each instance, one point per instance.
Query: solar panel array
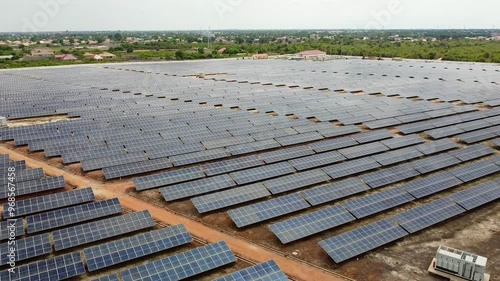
(49, 202)
(215, 201)
(182, 265)
(26, 248)
(477, 196)
(311, 223)
(361, 240)
(429, 214)
(265, 271)
(35, 186)
(71, 237)
(262, 211)
(224, 144)
(134, 247)
(56, 268)
(377, 202)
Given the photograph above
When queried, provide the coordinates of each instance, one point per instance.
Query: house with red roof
(312, 54)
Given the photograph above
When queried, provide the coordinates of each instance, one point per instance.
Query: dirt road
(255, 253)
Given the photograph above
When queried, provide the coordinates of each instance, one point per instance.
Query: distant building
(312, 54)
(41, 53)
(66, 57)
(2, 43)
(222, 50)
(88, 55)
(97, 57)
(107, 55)
(260, 57)
(6, 57)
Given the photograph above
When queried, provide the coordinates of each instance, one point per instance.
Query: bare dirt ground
(253, 252)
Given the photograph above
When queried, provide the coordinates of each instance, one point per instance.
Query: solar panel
(363, 239)
(71, 215)
(332, 144)
(200, 156)
(11, 228)
(285, 154)
(252, 147)
(35, 186)
(363, 150)
(477, 136)
(50, 202)
(397, 156)
(112, 277)
(135, 168)
(382, 123)
(19, 165)
(351, 167)
(424, 187)
(300, 138)
(330, 192)
(226, 166)
(435, 163)
(377, 202)
(168, 178)
(373, 136)
(296, 181)
(219, 200)
(317, 160)
(227, 141)
(477, 196)
(103, 229)
(389, 175)
(266, 271)
(472, 152)
(261, 173)
(475, 171)
(141, 245)
(428, 214)
(311, 223)
(197, 187)
(403, 141)
(26, 248)
(112, 160)
(262, 211)
(52, 269)
(436, 146)
(444, 132)
(182, 265)
(23, 175)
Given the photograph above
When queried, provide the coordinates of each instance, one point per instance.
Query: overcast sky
(77, 15)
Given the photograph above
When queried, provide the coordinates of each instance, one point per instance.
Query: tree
(118, 37)
(180, 55)
(201, 51)
(130, 50)
(99, 40)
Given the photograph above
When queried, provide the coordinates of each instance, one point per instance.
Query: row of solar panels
(368, 237)
(351, 144)
(69, 208)
(196, 157)
(327, 218)
(287, 204)
(284, 183)
(175, 267)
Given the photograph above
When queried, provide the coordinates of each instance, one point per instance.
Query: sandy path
(256, 253)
